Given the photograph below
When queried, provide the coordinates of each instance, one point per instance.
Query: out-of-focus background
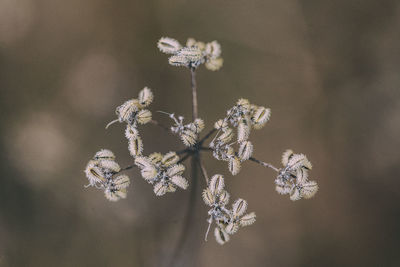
(329, 71)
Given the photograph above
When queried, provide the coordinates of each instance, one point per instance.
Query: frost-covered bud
(135, 146)
(149, 173)
(110, 165)
(125, 111)
(199, 123)
(208, 197)
(232, 228)
(260, 117)
(160, 189)
(244, 103)
(177, 169)
(143, 162)
(234, 165)
(94, 173)
(299, 161)
(224, 197)
(168, 45)
(245, 150)
(295, 194)
(144, 116)
(288, 154)
(243, 130)
(145, 97)
(188, 137)
(309, 189)
(221, 125)
(170, 159)
(155, 158)
(180, 61)
(121, 181)
(247, 219)
(239, 207)
(131, 132)
(226, 136)
(115, 195)
(179, 181)
(221, 236)
(216, 184)
(104, 154)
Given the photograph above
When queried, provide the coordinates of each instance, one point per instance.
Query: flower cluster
(102, 173)
(243, 116)
(134, 112)
(162, 171)
(228, 221)
(188, 133)
(293, 177)
(193, 54)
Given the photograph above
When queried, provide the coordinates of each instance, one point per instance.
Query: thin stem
(269, 165)
(165, 128)
(203, 169)
(194, 94)
(128, 167)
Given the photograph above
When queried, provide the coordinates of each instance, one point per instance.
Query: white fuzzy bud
(288, 154)
(121, 181)
(179, 181)
(208, 197)
(224, 197)
(188, 137)
(110, 165)
(232, 228)
(145, 97)
(131, 132)
(245, 150)
(105, 154)
(214, 64)
(239, 207)
(170, 159)
(155, 157)
(168, 45)
(149, 173)
(160, 189)
(216, 184)
(234, 165)
(94, 173)
(243, 130)
(226, 136)
(248, 219)
(135, 146)
(221, 125)
(295, 194)
(260, 116)
(213, 49)
(143, 162)
(144, 116)
(309, 189)
(175, 170)
(221, 236)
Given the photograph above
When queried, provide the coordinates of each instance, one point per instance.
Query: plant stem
(195, 114)
(264, 164)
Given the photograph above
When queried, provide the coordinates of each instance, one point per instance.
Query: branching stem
(195, 114)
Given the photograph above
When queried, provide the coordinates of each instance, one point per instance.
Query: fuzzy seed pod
(190, 42)
(299, 161)
(309, 189)
(168, 45)
(199, 123)
(281, 189)
(221, 236)
(214, 64)
(155, 157)
(149, 173)
(295, 194)
(171, 188)
(301, 175)
(179, 61)
(287, 155)
(104, 154)
(121, 181)
(213, 49)
(248, 219)
(232, 228)
(216, 184)
(131, 132)
(145, 97)
(188, 137)
(144, 116)
(135, 146)
(170, 159)
(244, 103)
(192, 54)
(245, 150)
(234, 165)
(226, 136)
(224, 197)
(160, 189)
(110, 165)
(177, 169)
(243, 130)
(143, 162)
(180, 181)
(115, 195)
(221, 125)
(125, 111)
(208, 197)
(260, 117)
(94, 173)
(239, 207)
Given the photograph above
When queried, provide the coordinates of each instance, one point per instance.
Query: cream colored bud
(224, 197)
(121, 181)
(216, 184)
(232, 228)
(288, 154)
(105, 154)
(175, 170)
(245, 150)
(135, 146)
(208, 197)
(110, 165)
(309, 189)
(248, 219)
(234, 165)
(131, 132)
(214, 64)
(180, 181)
(144, 116)
(155, 157)
(145, 97)
(213, 49)
(260, 116)
(168, 45)
(170, 159)
(160, 189)
(239, 207)
(221, 236)
(149, 173)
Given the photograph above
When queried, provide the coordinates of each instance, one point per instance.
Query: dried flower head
(293, 177)
(193, 54)
(163, 172)
(102, 173)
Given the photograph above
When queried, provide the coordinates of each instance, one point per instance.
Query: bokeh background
(329, 70)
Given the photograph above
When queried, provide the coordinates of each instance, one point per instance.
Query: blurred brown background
(329, 70)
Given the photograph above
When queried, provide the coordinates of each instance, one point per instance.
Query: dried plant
(230, 143)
